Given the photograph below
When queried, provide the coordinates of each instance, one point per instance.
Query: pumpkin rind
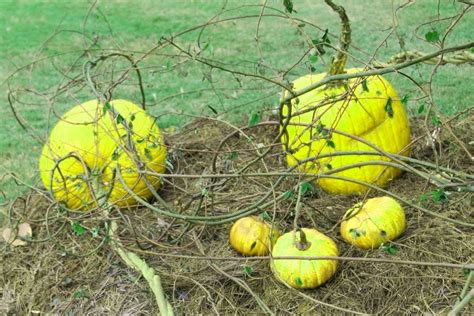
(304, 273)
(87, 145)
(374, 113)
(375, 222)
(251, 236)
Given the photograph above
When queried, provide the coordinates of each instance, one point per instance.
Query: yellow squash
(85, 148)
(251, 236)
(304, 273)
(372, 110)
(371, 224)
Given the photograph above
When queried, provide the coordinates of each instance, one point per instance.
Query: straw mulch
(65, 273)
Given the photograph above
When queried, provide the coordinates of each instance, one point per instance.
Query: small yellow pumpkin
(304, 273)
(251, 236)
(373, 223)
(89, 143)
(372, 111)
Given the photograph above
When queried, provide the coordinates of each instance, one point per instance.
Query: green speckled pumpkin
(374, 222)
(304, 273)
(372, 111)
(88, 144)
(251, 236)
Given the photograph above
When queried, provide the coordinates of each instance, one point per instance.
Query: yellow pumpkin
(373, 223)
(373, 112)
(87, 145)
(304, 273)
(251, 236)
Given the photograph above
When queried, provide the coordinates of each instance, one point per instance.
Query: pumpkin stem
(303, 243)
(339, 61)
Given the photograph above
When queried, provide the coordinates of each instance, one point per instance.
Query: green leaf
(330, 143)
(390, 249)
(306, 187)
(364, 85)
(79, 293)
(329, 166)
(354, 233)
(423, 197)
(253, 245)
(254, 119)
(439, 196)
(208, 46)
(288, 5)
(116, 154)
(247, 271)
(388, 107)
(432, 36)
(78, 229)
(148, 154)
(436, 120)
(404, 100)
(421, 109)
(212, 109)
(298, 281)
(319, 46)
(319, 128)
(132, 117)
(325, 38)
(107, 107)
(313, 59)
(266, 217)
(288, 195)
(119, 119)
(466, 272)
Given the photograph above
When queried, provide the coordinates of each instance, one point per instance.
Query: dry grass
(60, 276)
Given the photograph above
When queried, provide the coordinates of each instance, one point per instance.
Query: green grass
(27, 28)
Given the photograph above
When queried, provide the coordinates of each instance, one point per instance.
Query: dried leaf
(7, 235)
(24, 230)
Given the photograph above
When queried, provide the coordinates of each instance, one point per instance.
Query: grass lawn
(174, 83)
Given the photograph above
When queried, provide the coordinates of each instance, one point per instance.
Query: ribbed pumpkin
(251, 236)
(87, 145)
(304, 273)
(372, 110)
(373, 223)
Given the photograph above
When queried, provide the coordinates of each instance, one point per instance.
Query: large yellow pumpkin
(251, 236)
(372, 111)
(304, 273)
(370, 224)
(86, 146)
